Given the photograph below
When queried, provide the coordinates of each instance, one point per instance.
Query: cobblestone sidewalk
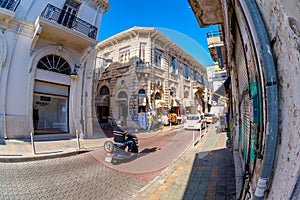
(204, 172)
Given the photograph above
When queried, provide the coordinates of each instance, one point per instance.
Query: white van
(194, 121)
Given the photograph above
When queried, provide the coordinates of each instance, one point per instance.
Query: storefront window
(50, 108)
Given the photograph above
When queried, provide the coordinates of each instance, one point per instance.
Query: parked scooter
(123, 148)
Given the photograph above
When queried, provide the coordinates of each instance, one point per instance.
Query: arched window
(54, 63)
(157, 96)
(104, 90)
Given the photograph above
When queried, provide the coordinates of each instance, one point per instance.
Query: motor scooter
(117, 151)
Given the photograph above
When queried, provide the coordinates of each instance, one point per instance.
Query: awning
(161, 104)
(188, 103)
(221, 91)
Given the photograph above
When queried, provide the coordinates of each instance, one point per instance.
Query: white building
(41, 43)
(149, 73)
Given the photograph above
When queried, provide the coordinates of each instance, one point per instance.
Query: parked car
(210, 118)
(194, 121)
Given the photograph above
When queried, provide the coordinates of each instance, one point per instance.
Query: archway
(102, 103)
(51, 100)
(122, 102)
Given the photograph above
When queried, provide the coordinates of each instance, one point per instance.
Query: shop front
(50, 108)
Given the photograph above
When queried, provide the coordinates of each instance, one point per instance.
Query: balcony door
(68, 13)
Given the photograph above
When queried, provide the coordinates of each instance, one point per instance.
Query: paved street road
(87, 176)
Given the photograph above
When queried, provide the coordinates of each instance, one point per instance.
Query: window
(124, 55)
(54, 63)
(196, 76)
(202, 80)
(142, 51)
(157, 57)
(186, 94)
(187, 72)
(174, 65)
(157, 96)
(68, 14)
(50, 108)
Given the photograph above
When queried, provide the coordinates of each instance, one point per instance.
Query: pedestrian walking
(150, 122)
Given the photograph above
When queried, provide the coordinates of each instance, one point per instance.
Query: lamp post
(74, 75)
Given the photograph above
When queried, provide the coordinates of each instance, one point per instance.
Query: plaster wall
(282, 21)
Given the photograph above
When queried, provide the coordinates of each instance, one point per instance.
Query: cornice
(156, 38)
(102, 4)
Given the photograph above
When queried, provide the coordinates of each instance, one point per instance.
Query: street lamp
(74, 74)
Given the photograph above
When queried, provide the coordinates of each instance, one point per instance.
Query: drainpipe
(266, 60)
(83, 94)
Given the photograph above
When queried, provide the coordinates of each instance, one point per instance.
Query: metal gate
(243, 89)
(249, 96)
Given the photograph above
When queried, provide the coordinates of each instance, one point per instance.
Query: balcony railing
(198, 84)
(69, 20)
(142, 67)
(214, 37)
(10, 4)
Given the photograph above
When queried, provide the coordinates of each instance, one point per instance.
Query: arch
(157, 96)
(122, 104)
(142, 101)
(102, 102)
(104, 90)
(54, 63)
(35, 58)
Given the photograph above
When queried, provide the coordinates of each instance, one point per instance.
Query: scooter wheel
(108, 146)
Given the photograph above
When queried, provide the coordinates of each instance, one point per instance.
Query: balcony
(216, 46)
(63, 27)
(207, 12)
(198, 87)
(7, 9)
(143, 69)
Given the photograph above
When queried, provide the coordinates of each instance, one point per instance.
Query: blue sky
(174, 18)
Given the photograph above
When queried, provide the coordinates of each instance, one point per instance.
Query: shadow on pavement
(147, 151)
(212, 176)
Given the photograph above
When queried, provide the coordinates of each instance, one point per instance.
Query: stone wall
(282, 21)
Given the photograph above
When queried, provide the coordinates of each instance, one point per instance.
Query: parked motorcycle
(118, 150)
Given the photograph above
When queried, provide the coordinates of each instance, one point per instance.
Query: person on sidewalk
(150, 122)
(35, 117)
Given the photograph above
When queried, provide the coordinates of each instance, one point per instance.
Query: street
(87, 176)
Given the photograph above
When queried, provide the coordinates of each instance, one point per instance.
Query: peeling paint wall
(282, 20)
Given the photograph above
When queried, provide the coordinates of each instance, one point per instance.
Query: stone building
(149, 73)
(41, 43)
(261, 57)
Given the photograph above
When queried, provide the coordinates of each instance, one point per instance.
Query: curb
(42, 157)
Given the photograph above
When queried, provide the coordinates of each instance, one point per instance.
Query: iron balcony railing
(9, 4)
(69, 20)
(143, 67)
(213, 34)
(198, 83)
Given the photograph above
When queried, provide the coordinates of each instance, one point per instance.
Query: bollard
(77, 136)
(193, 138)
(200, 133)
(32, 143)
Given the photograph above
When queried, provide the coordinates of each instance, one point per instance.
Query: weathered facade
(149, 73)
(41, 43)
(262, 58)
